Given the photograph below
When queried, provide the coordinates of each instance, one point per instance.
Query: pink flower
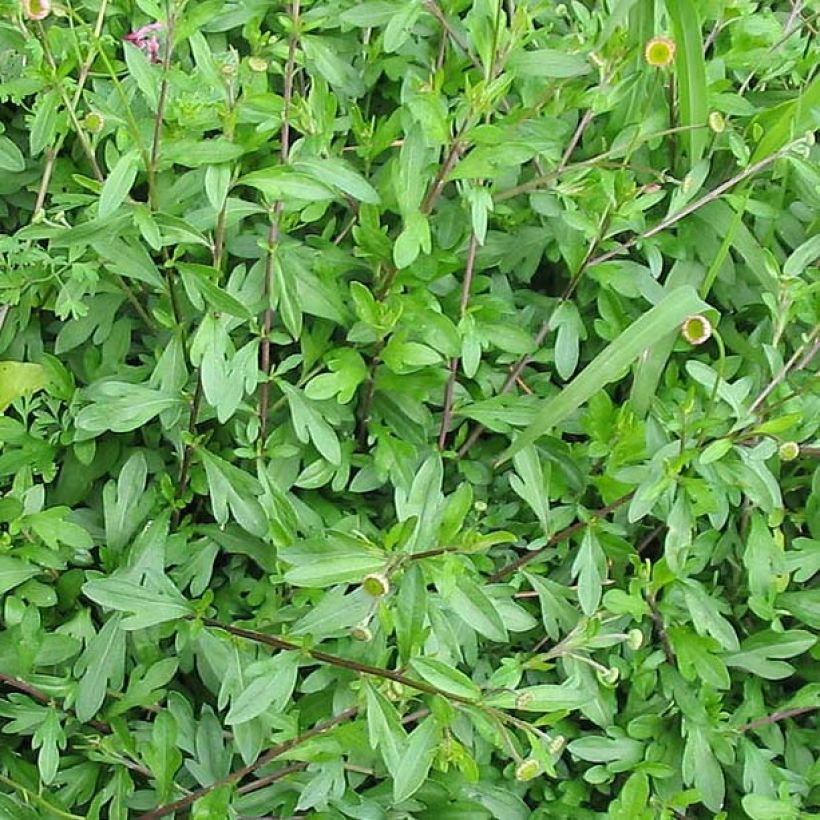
(36, 9)
(145, 40)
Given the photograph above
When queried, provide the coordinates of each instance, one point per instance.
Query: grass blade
(690, 67)
(668, 314)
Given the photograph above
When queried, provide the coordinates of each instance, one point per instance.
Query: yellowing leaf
(19, 379)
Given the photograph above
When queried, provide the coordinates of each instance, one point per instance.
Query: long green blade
(668, 314)
(690, 68)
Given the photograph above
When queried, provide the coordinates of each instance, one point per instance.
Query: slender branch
(41, 697)
(440, 179)
(566, 533)
(274, 229)
(279, 774)
(434, 9)
(160, 115)
(38, 800)
(188, 453)
(239, 774)
(70, 108)
(712, 195)
(449, 392)
(660, 628)
(776, 717)
(335, 660)
(813, 344)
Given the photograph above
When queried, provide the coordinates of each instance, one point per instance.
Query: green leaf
(420, 752)
(477, 610)
(102, 662)
(787, 121)
(384, 730)
(608, 365)
(446, 678)
(44, 123)
(690, 72)
(279, 182)
(119, 184)
(548, 63)
(14, 571)
(270, 690)
(18, 379)
(201, 278)
(11, 157)
(147, 606)
(544, 698)
(233, 489)
(337, 173)
(120, 407)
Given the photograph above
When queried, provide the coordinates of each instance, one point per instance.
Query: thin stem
(335, 660)
(813, 344)
(433, 8)
(239, 774)
(776, 717)
(41, 697)
(440, 179)
(274, 229)
(449, 392)
(558, 538)
(660, 628)
(163, 99)
(279, 774)
(38, 799)
(714, 194)
(70, 108)
(187, 456)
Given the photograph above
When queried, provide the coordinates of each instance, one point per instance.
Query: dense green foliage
(409, 409)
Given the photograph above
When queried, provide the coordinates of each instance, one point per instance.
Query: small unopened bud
(94, 122)
(789, 451)
(361, 632)
(634, 639)
(36, 9)
(556, 744)
(480, 506)
(716, 122)
(257, 64)
(696, 330)
(608, 677)
(659, 52)
(527, 769)
(376, 585)
(523, 700)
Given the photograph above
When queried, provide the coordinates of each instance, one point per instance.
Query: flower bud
(716, 122)
(556, 745)
(659, 52)
(608, 677)
(36, 9)
(361, 632)
(527, 769)
(376, 585)
(789, 451)
(257, 64)
(634, 639)
(696, 330)
(94, 122)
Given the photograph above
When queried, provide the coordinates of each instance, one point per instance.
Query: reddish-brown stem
(239, 774)
(558, 538)
(776, 717)
(333, 660)
(660, 628)
(41, 697)
(273, 230)
(449, 392)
